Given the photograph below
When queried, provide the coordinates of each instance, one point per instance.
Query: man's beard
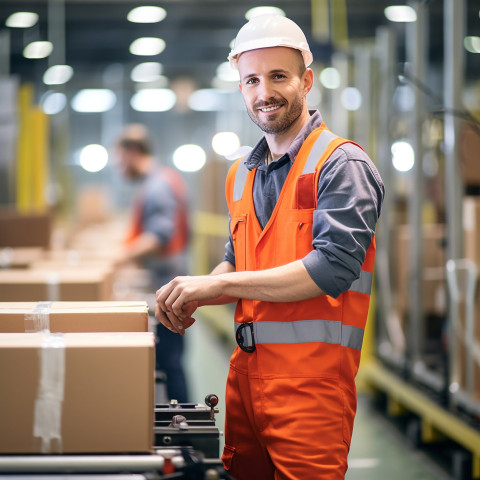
(284, 120)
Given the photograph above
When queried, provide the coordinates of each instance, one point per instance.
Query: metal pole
(454, 27)
(386, 53)
(4, 53)
(417, 59)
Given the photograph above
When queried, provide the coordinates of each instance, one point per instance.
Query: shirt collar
(257, 155)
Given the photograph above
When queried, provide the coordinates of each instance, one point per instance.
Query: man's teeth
(269, 109)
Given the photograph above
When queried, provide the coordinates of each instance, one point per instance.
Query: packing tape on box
(47, 424)
(6, 257)
(38, 320)
(53, 286)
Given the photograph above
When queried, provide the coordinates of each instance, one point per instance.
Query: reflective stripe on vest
(319, 147)
(303, 331)
(240, 180)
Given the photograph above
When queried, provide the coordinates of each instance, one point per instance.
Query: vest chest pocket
(238, 228)
(294, 239)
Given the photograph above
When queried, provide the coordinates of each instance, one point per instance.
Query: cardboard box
(24, 229)
(17, 317)
(74, 285)
(21, 257)
(471, 229)
(433, 275)
(100, 388)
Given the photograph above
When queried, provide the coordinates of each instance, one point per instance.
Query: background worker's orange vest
(330, 345)
(179, 239)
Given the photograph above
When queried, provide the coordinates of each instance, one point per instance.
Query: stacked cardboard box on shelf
(433, 275)
(471, 238)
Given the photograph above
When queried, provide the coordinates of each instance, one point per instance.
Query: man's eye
(251, 80)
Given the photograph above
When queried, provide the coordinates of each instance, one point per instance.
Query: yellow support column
(24, 155)
(40, 156)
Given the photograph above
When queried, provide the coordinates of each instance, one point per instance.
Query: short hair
(136, 137)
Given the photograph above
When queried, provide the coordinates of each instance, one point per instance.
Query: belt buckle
(241, 340)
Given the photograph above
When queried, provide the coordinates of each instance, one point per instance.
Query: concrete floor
(378, 450)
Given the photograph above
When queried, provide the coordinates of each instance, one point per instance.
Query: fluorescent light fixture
(146, 72)
(256, 11)
(189, 158)
(403, 156)
(400, 13)
(351, 99)
(93, 158)
(147, 46)
(227, 73)
(225, 143)
(38, 49)
(58, 75)
(472, 44)
(94, 100)
(146, 14)
(53, 102)
(330, 78)
(207, 100)
(22, 20)
(153, 100)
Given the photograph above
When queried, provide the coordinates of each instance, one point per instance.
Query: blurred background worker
(158, 237)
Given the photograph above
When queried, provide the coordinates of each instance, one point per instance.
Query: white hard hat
(271, 30)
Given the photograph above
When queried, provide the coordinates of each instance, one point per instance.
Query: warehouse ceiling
(197, 34)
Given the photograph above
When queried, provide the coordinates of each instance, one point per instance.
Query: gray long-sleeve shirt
(349, 199)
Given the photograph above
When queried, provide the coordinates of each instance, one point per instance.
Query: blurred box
(73, 285)
(22, 257)
(469, 143)
(471, 229)
(76, 393)
(433, 276)
(24, 229)
(92, 205)
(64, 317)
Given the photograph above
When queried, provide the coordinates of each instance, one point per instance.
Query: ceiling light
(403, 156)
(58, 75)
(22, 20)
(351, 99)
(146, 72)
(93, 158)
(225, 143)
(330, 78)
(147, 46)
(53, 102)
(38, 49)
(208, 100)
(472, 44)
(227, 73)
(400, 13)
(94, 100)
(146, 14)
(153, 100)
(256, 11)
(189, 158)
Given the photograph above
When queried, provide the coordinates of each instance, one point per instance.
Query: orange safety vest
(318, 337)
(179, 239)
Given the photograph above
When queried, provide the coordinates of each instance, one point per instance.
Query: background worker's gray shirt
(350, 194)
(158, 217)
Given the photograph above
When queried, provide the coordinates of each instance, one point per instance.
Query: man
(303, 206)
(157, 238)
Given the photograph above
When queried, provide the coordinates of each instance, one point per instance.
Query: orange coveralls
(291, 402)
